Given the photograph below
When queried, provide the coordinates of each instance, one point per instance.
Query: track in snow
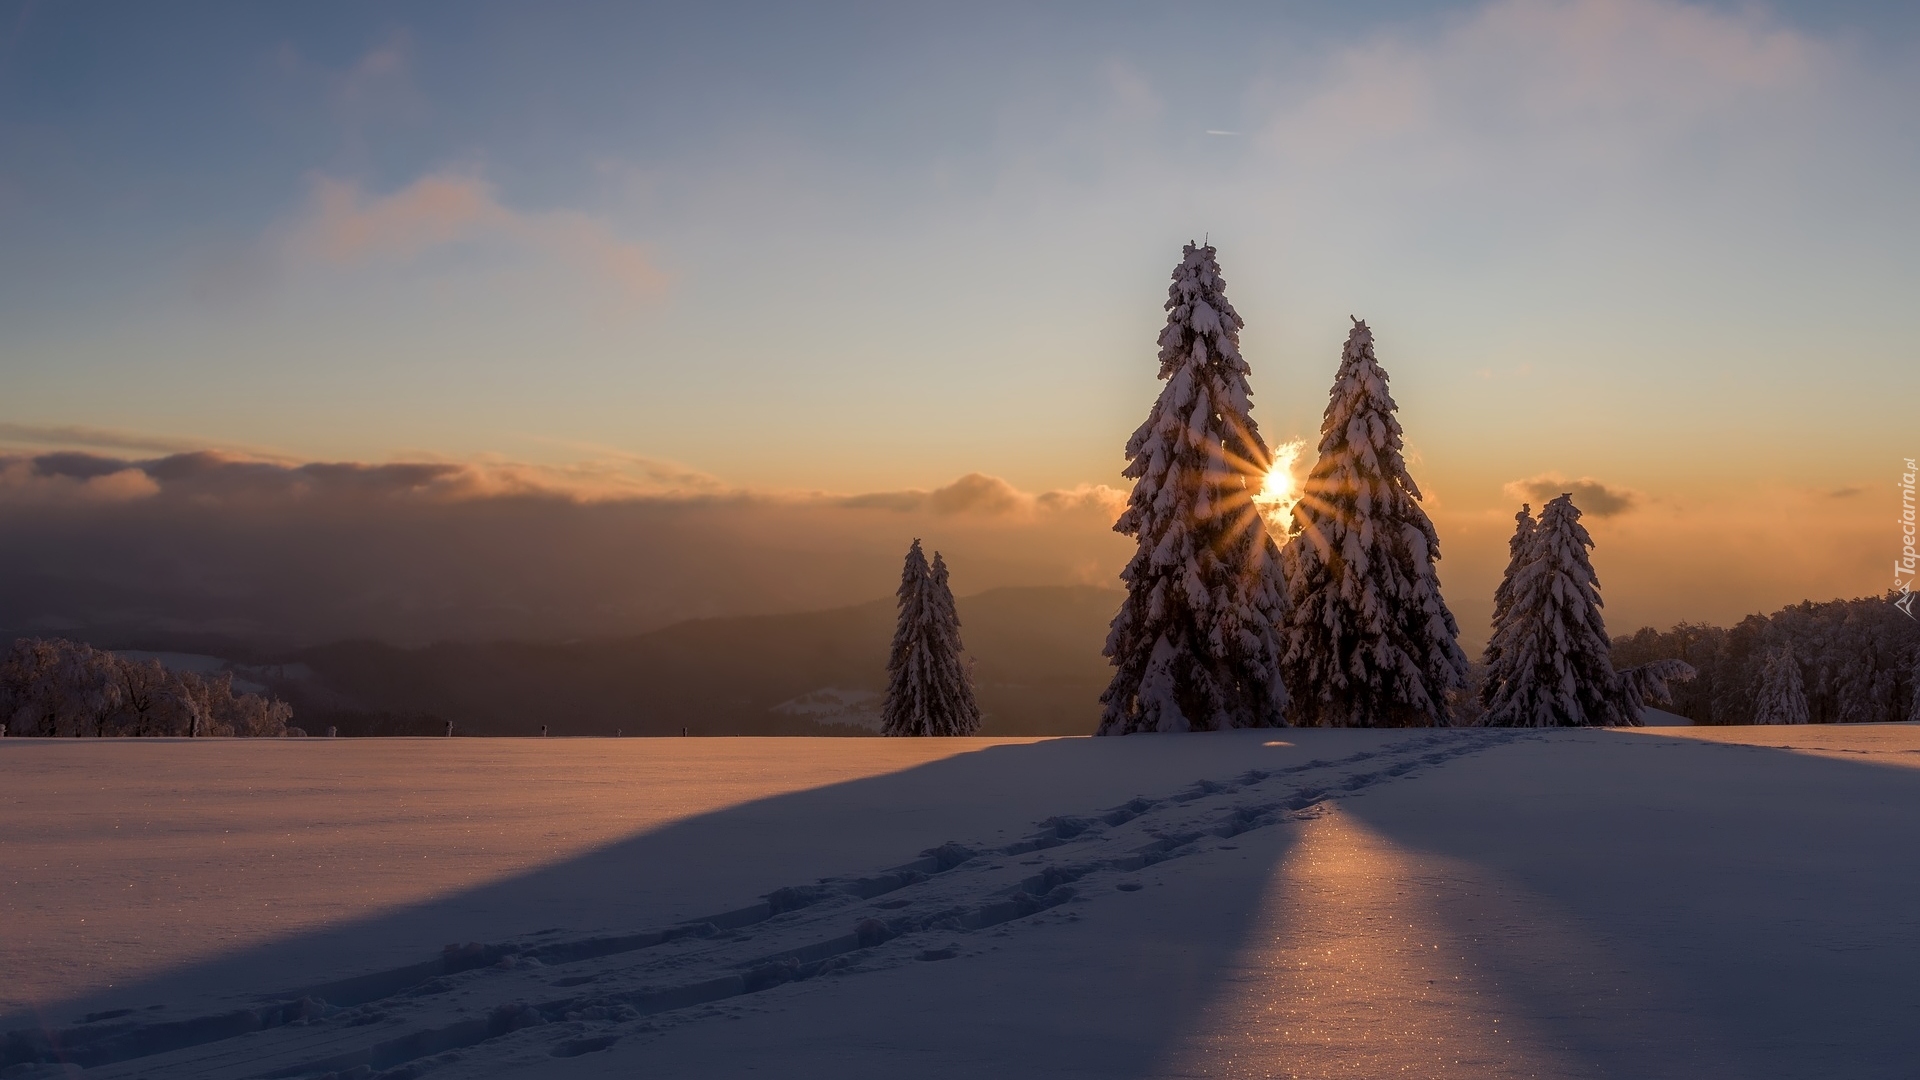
(582, 994)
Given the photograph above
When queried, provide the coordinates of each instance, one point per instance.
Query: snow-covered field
(1728, 902)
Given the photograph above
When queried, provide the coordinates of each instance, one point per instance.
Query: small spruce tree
(1781, 697)
(929, 689)
(1369, 641)
(1523, 528)
(1195, 644)
(908, 671)
(1556, 666)
(954, 710)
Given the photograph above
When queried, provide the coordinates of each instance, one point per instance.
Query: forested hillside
(1036, 654)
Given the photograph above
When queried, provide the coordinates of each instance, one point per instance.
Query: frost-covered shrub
(54, 687)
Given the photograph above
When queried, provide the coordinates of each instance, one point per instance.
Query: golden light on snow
(1281, 490)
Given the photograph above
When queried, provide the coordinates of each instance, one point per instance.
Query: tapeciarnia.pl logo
(1903, 567)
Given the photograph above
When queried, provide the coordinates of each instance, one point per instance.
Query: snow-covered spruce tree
(929, 691)
(1369, 641)
(1523, 528)
(1781, 697)
(908, 670)
(1195, 645)
(1556, 666)
(955, 712)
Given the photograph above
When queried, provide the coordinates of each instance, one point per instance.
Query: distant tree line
(53, 687)
(1839, 662)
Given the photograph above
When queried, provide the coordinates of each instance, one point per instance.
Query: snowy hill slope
(1689, 902)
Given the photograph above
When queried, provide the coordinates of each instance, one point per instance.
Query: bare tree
(142, 683)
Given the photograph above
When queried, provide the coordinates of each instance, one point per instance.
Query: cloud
(344, 225)
(1133, 95)
(379, 83)
(982, 496)
(95, 438)
(217, 478)
(71, 478)
(1590, 495)
(1583, 82)
(376, 90)
(414, 551)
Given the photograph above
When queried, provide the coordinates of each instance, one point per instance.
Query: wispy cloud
(343, 225)
(380, 79)
(376, 90)
(1133, 95)
(1593, 81)
(98, 438)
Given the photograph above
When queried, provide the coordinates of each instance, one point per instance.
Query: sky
(849, 257)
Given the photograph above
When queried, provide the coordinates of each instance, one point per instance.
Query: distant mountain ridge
(1036, 653)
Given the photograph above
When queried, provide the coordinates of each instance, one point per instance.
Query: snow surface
(1723, 902)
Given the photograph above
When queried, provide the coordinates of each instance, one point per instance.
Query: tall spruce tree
(1556, 666)
(1781, 697)
(1523, 529)
(929, 690)
(1369, 641)
(1195, 644)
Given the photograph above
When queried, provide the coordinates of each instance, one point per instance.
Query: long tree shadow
(1648, 906)
(717, 874)
(1660, 906)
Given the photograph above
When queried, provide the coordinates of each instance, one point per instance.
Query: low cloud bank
(989, 496)
(218, 544)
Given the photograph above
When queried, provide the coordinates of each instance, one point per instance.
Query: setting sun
(1282, 489)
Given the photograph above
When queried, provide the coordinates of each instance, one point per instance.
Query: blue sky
(1667, 246)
